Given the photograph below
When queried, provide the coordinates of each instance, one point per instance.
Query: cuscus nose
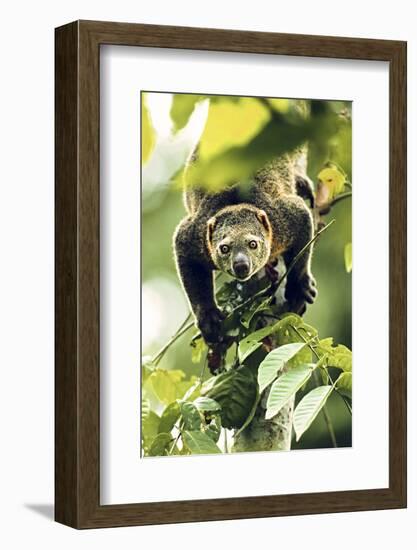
(241, 265)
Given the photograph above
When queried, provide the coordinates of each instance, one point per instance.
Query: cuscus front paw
(210, 324)
(300, 291)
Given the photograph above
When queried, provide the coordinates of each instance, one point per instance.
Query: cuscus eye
(224, 249)
(253, 244)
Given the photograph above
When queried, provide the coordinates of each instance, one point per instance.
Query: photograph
(246, 274)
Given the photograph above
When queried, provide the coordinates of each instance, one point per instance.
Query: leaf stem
(226, 450)
(324, 209)
(349, 408)
(184, 327)
(341, 197)
(302, 251)
(326, 415)
(174, 444)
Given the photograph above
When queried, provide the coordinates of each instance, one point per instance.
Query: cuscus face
(239, 240)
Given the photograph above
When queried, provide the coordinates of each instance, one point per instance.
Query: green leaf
(206, 404)
(247, 348)
(333, 179)
(150, 426)
(199, 443)
(230, 124)
(253, 310)
(193, 390)
(280, 105)
(290, 329)
(236, 391)
(182, 107)
(240, 162)
(167, 385)
(253, 341)
(160, 444)
(198, 346)
(274, 362)
(323, 371)
(341, 358)
(146, 409)
(344, 384)
(337, 356)
(308, 408)
(285, 387)
(286, 333)
(148, 132)
(169, 417)
(348, 257)
(147, 367)
(190, 416)
(214, 429)
(251, 414)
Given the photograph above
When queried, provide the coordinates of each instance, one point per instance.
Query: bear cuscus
(241, 229)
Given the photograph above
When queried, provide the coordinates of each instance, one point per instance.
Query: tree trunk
(274, 434)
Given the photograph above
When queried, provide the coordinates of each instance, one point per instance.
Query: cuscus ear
(263, 218)
(211, 224)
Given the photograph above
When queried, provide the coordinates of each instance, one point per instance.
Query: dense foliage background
(237, 134)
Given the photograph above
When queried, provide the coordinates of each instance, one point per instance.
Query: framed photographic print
(230, 274)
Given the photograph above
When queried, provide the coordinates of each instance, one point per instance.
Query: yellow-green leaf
(148, 132)
(198, 346)
(169, 417)
(167, 384)
(279, 105)
(344, 384)
(182, 107)
(199, 443)
(160, 444)
(150, 425)
(333, 179)
(231, 124)
(348, 257)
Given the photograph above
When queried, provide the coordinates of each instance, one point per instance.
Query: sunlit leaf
(199, 443)
(348, 257)
(308, 408)
(333, 179)
(290, 329)
(182, 108)
(193, 390)
(148, 367)
(146, 409)
(344, 384)
(337, 356)
(279, 105)
(239, 163)
(231, 124)
(169, 417)
(150, 426)
(286, 386)
(274, 362)
(198, 346)
(148, 132)
(168, 384)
